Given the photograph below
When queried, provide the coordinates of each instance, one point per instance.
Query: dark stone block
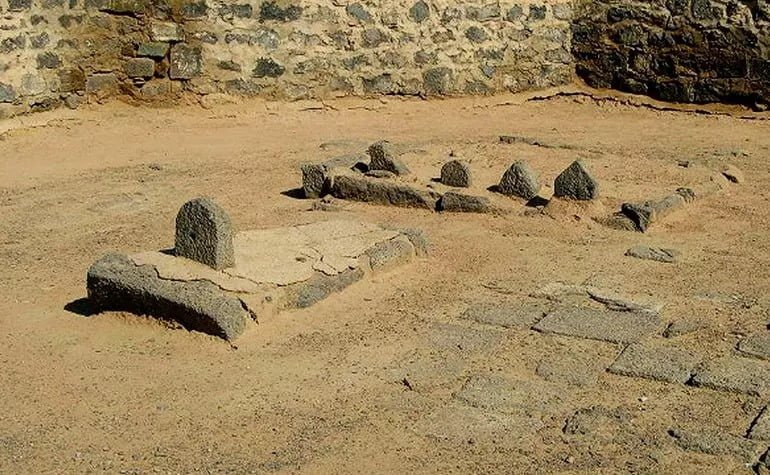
(270, 10)
(48, 61)
(477, 34)
(438, 81)
(267, 67)
(419, 11)
(19, 5)
(7, 93)
(185, 61)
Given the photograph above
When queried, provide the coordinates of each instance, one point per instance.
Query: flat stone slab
(757, 345)
(577, 365)
(499, 394)
(460, 338)
(599, 324)
(713, 442)
(348, 186)
(738, 375)
(506, 315)
(274, 269)
(656, 362)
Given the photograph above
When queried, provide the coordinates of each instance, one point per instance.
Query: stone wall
(676, 50)
(64, 52)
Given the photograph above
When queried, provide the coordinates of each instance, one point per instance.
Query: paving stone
(714, 442)
(507, 315)
(756, 345)
(596, 324)
(460, 338)
(456, 173)
(116, 283)
(739, 375)
(383, 157)
(204, 234)
(658, 254)
(519, 180)
(576, 183)
(657, 362)
(499, 394)
(166, 32)
(372, 190)
(574, 366)
(760, 427)
(683, 327)
(453, 202)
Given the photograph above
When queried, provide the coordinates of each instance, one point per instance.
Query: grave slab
(274, 269)
(599, 324)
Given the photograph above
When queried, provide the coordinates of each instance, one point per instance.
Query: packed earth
(598, 304)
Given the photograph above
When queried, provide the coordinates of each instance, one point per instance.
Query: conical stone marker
(384, 158)
(577, 183)
(204, 233)
(519, 180)
(456, 173)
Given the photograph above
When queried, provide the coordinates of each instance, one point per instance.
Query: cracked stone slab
(504, 314)
(713, 442)
(599, 324)
(274, 269)
(656, 362)
(757, 345)
(732, 374)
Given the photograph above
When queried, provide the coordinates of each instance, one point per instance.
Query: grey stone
(657, 362)
(357, 11)
(166, 32)
(116, 283)
(453, 202)
(738, 375)
(419, 240)
(204, 234)
(155, 49)
(388, 254)
(476, 34)
(658, 254)
(383, 157)
(372, 190)
(495, 393)
(272, 10)
(319, 287)
(48, 60)
(314, 176)
(519, 180)
(7, 93)
(713, 442)
(268, 68)
(641, 214)
(757, 345)
(102, 84)
(573, 367)
(596, 324)
(595, 419)
(683, 327)
(383, 174)
(438, 81)
(419, 11)
(576, 183)
(185, 61)
(458, 338)
(484, 13)
(760, 426)
(456, 173)
(139, 68)
(507, 315)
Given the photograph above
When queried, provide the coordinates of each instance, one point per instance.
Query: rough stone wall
(64, 52)
(676, 50)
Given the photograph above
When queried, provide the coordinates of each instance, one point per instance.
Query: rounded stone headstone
(204, 234)
(577, 183)
(456, 173)
(519, 180)
(383, 157)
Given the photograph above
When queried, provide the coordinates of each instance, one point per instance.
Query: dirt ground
(371, 379)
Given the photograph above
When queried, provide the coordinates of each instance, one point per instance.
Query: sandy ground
(321, 390)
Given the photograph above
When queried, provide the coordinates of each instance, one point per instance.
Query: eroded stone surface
(760, 427)
(372, 190)
(595, 324)
(757, 345)
(576, 365)
(658, 254)
(456, 173)
(204, 234)
(714, 442)
(739, 375)
(657, 362)
(519, 180)
(460, 203)
(383, 157)
(576, 183)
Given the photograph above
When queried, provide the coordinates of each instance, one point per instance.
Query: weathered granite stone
(155, 49)
(268, 68)
(372, 190)
(573, 367)
(738, 375)
(101, 84)
(139, 68)
(272, 10)
(456, 173)
(576, 183)
(383, 157)
(438, 81)
(384, 174)
(714, 442)
(319, 287)
(314, 177)
(391, 253)
(7, 93)
(453, 202)
(757, 345)
(204, 233)
(505, 315)
(519, 180)
(657, 362)
(357, 11)
(593, 419)
(116, 283)
(595, 324)
(185, 61)
(653, 253)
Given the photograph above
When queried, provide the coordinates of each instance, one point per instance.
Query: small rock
(313, 179)
(385, 174)
(383, 157)
(653, 253)
(204, 233)
(456, 173)
(519, 180)
(577, 183)
(757, 346)
(682, 327)
(459, 203)
(760, 427)
(734, 174)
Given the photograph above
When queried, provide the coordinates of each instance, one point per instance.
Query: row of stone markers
(350, 178)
